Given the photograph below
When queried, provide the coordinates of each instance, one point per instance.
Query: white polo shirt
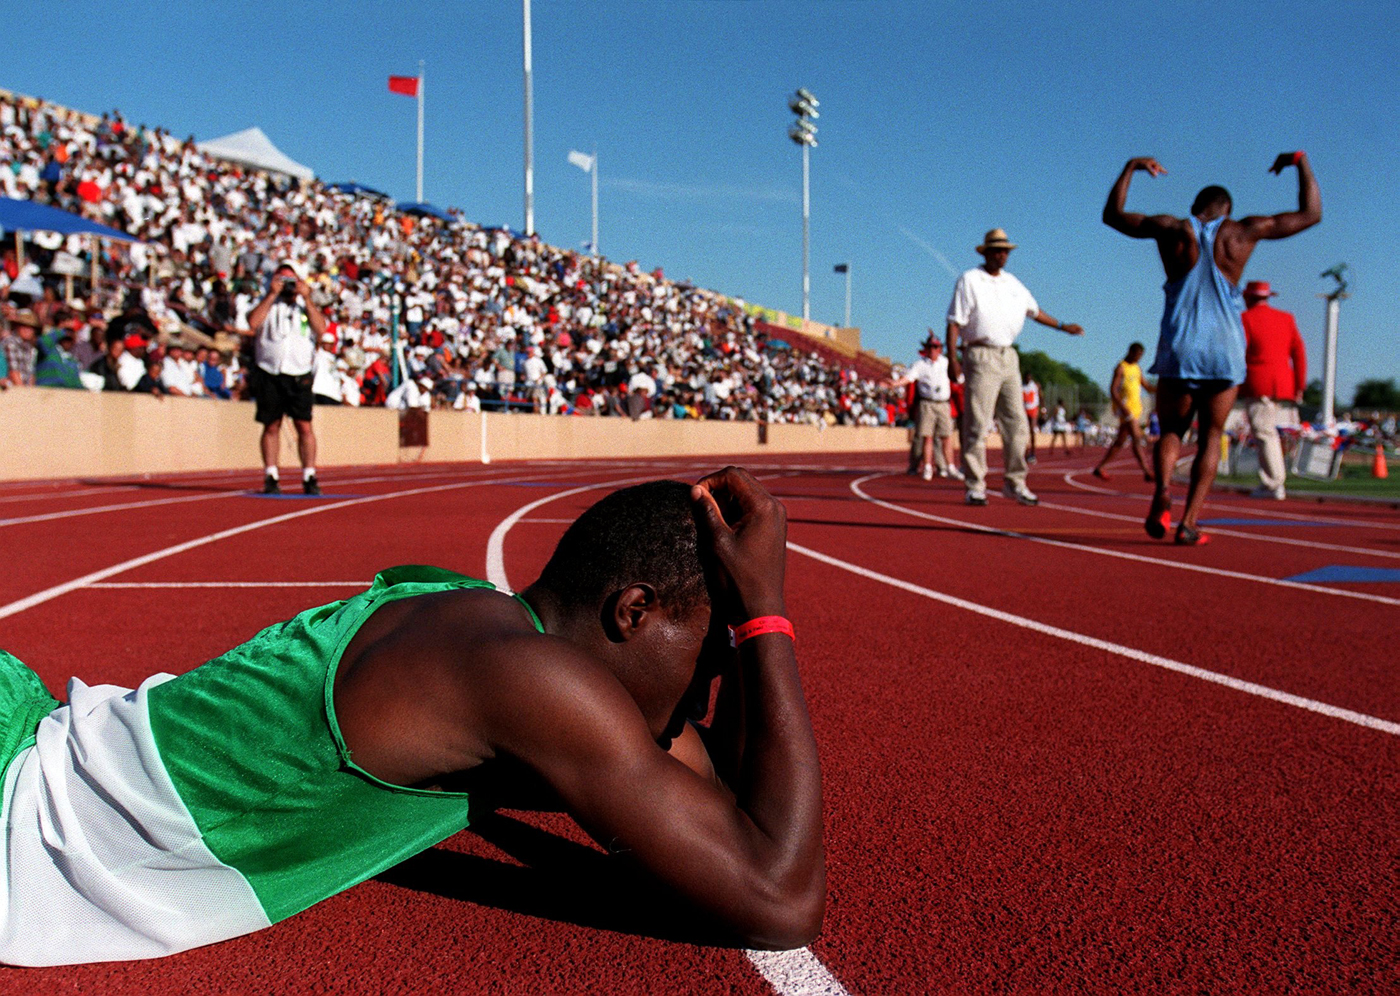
(991, 310)
(932, 377)
(284, 344)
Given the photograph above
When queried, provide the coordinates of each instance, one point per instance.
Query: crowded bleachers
(421, 312)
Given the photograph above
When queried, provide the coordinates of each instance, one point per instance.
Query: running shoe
(1022, 494)
(270, 486)
(1098, 472)
(310, 486)
(1030, 458)
(975, 498)
(1159, 517)
(956, 474)
(927, 472)
(1186, 536)
(1268, 493)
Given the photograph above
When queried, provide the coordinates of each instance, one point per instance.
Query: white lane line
(230, 584)
(1218, 531)
(1120, 554)
(1131, 653)
(1267, 513)
(60, 496)
(39, 597)
(74, 513)
(790, 973)
(796, 973)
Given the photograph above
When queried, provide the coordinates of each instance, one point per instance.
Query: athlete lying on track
(334, 745)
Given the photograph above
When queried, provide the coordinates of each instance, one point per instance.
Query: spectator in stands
(56, 366)
(988, 310)
(286, 320)
(108, 365)
(19, 349)
(1276, 363)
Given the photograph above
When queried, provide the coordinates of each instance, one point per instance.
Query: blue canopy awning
(351, 187)
(429, 210)
(26, 216)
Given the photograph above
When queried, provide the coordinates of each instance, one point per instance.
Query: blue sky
(938, 121)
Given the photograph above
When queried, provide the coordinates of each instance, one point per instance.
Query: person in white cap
(285, 326)
(988, 310)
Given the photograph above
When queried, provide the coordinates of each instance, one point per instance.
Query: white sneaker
(1264, 492)
(943, 472)
(956, 474)
(927, 472)
(1022, 494)
(975, 498)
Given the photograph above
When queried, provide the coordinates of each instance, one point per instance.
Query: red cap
(1259, 288)
(135, 341)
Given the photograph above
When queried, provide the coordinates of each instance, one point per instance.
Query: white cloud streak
(686, 191)
(922, 244)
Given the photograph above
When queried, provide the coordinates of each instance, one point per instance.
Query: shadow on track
(560, 880)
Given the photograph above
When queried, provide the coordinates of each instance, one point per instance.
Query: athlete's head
(1135, 352)
(628, 581)
(1212, 202)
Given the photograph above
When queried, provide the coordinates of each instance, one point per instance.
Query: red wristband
(760, 626)
(1297, 157)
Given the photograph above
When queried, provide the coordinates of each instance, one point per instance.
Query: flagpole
(596, 253)
(529, 134)
(848, 295)
(420, 131)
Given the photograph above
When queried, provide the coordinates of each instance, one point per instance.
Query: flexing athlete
(334, 745)
(1126, 391)
(1200, 349)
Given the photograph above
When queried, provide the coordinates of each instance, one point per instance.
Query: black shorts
(277, 395)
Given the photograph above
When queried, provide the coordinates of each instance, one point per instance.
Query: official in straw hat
(1276, 371)
(933, 414)
(988, 310)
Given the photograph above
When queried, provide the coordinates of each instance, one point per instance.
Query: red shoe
(1186, 536)
(1101, 475)
(1159, 518)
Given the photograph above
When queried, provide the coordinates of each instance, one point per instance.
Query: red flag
(406, 85)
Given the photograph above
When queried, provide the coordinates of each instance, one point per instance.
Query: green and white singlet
(141, 822)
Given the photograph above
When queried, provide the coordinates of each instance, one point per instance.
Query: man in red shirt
(1276, 370)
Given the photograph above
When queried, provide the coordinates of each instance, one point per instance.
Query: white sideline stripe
(796, 973)
(1218, 531)
(60, 495)
(230, 584)
(1267, 513)
(73, 513)
(1248, 687)
(790, 973)
(1364, 596)
(39, 597)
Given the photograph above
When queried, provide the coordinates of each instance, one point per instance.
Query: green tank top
(252, 746)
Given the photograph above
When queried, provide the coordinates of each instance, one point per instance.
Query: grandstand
(451, 309)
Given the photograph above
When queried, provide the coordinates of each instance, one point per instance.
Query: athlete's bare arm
(1238, 238)
(1175, 243)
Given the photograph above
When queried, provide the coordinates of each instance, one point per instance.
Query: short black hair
(1212, 196)
(642, 534)
(1138, 346)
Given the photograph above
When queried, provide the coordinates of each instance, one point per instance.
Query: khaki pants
(993, 390)
(936, 420)
(1264, 415)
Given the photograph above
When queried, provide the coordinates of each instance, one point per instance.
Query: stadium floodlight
(803, 104)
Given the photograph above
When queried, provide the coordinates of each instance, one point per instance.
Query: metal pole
(394, 340)
(529, 134)
(420, 131)
(596, 253)
(1329, 364)
(806, 210)
(848, 295)
(19, 249)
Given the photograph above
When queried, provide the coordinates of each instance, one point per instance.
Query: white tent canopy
(252, 148)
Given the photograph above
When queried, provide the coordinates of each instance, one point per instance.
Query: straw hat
(995, 239)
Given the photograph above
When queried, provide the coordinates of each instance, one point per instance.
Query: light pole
(1329, 356)
(804, 133)
(846, 269)
(529, 132)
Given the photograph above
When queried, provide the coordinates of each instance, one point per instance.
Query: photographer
(285, 326)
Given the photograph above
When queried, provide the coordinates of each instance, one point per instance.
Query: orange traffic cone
(1378, 468)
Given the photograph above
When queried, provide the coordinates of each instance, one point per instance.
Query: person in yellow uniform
(1126, 391)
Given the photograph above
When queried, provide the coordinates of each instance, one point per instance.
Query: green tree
(1376, 394)
(1047, 372)
(1312, 394)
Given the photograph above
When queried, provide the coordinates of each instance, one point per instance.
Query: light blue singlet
(1202, 337)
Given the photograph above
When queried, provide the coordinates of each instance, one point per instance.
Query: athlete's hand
(1285, 160)
(746, 528)
(1148, 165)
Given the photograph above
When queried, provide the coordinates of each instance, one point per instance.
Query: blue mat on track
(1264, 522)
(1343, 572)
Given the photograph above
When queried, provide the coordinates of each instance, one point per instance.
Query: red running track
(1021, 796)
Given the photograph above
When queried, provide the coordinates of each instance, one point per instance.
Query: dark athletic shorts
(277, 395)
(1196, 386)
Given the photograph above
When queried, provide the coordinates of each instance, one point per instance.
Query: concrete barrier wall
(54, 433)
